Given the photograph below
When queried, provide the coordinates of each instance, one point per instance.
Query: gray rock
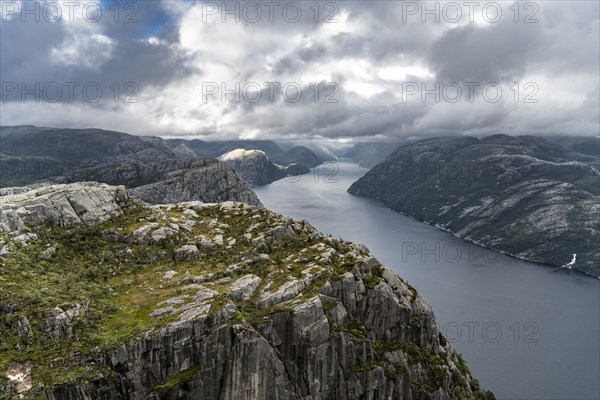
(313, 338)
(163, 234)
(187, 252)
(162, 311)
(75, 205)
(168, 276)
(20, 375)
(242, 289)
(524, 196)
(5, 251)
(21, 327)
(142, 233)
(48, 253)
(58, 323)
(287, 291)
(218, 240)
(188, 180)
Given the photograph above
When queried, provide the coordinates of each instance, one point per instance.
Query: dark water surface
(527, 331)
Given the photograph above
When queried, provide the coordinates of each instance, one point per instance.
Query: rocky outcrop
(271, 309)
(524, 196)
(57, 323)
(254, 167)
(32, 154)
(173, 180)
(77, 205)
(214, 182)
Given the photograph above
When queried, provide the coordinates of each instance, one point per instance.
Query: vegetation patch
(177, 379)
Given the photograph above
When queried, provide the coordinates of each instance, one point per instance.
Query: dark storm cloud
(370, 53)
(471, 54)
(300, 58)
(29, 52)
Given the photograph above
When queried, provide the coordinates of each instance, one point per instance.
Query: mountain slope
(215, 149)
(370, 154)
(29, 154)
(303, 155)
(81, 146)
(254, 167)
(520, 195)
(104, 297)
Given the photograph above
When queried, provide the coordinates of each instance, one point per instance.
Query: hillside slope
(370, 154)
(81, 146)
(297, 155)
(254, 167)
(521, 195)
(29, 154)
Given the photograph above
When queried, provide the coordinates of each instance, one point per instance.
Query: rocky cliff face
(105, 297)
(173, 180)
(521, 195)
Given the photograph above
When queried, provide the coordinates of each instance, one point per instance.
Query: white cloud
(369, 52)
(90, 51)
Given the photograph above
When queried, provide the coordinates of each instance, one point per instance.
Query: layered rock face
(205, 301)
(173, 180)
(65, 206)
(524, 196)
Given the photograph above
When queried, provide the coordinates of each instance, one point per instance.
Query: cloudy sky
(339, 70)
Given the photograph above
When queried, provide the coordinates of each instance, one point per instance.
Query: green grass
(177, 379)
(366, 366)
(92, 267)
(122, 289)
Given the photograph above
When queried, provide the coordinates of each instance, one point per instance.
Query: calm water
(527, 331)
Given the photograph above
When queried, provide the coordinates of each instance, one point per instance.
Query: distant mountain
(304, 155)
(81, 146)
(255, 167)
(587, 147)
(369, 154)
(29, 154)
(323, 150)
(214, 149)
(526, 196)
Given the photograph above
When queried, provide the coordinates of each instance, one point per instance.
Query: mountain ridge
(523, 196)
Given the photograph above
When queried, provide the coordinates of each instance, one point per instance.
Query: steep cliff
(525, 196)
(172, 180)
(105, 297)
